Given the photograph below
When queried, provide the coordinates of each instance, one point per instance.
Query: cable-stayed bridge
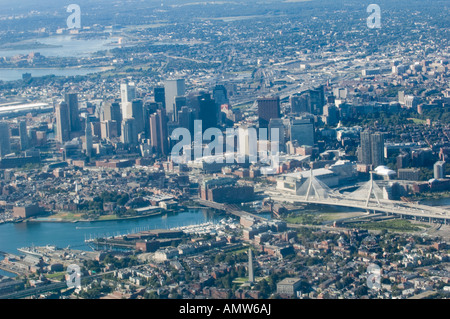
(368, 197)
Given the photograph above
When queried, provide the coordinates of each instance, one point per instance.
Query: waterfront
(13, 236)
(16, 74)
(60, 46)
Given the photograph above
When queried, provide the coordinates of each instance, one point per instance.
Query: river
(60, 46)
(16, 74)
(13, 236)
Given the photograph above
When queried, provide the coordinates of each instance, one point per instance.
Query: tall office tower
(129, 135)
(365, 149)
(377, 144)
(62, 122)
(160, 96)
(277, 124)
(172, 89)
(439, 170)
(74, 114)
(268, 108)
(108, 130)
(186, 119)
(159, 134)
(251, 275)
(208, 112)
(340, 93)
(317, 99)
(330, 114)
(5, 139)
(88, 138)
(247, 141)
(302, 131)
(137, 112)
(112, 112)
(220, 95)
(180, 101)
(127, 95)
(300, 103)
(23, 134)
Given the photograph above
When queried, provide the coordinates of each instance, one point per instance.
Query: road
(390, 207)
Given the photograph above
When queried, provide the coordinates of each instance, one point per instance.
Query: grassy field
(56, 276)
(399, 225)
(318, 218)
(65, 216)
(418, 121)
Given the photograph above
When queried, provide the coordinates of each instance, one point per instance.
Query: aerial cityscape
(245, 150)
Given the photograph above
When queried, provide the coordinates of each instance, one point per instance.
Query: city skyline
(224, 150)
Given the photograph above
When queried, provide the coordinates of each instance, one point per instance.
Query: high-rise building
(129, 135)
(371, 150)
(377, 143)
(403, 160)
(5, 139)
(278, 125)
(112, 112)
(365, 148)
(208, 111)
(302, 131)
(62, 122)
(160, 96)
(127, 95)
(88, 138)
(137, 112)
(300, 104)
(109, 129)
(23, 135)
(180, 101)
(268, 108)
(247, 141)
(186, 119)
(317, 99)
(159, 133)
(330, 114)
(439, 170)
(74, 114)
(172, 89)
(220, 95)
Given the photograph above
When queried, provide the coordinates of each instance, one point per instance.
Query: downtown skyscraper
(74, 116)
(159, 133)
(5, 142)
(62, 122)
(268, 108)
(172, 89)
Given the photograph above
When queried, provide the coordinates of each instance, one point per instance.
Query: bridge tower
(313, 187)
(368, 191)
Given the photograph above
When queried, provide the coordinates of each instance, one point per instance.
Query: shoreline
(60, 220)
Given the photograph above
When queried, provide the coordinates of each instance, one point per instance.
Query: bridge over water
(368, 197)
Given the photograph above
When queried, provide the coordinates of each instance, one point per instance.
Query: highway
(43, 289)
(429, 213)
